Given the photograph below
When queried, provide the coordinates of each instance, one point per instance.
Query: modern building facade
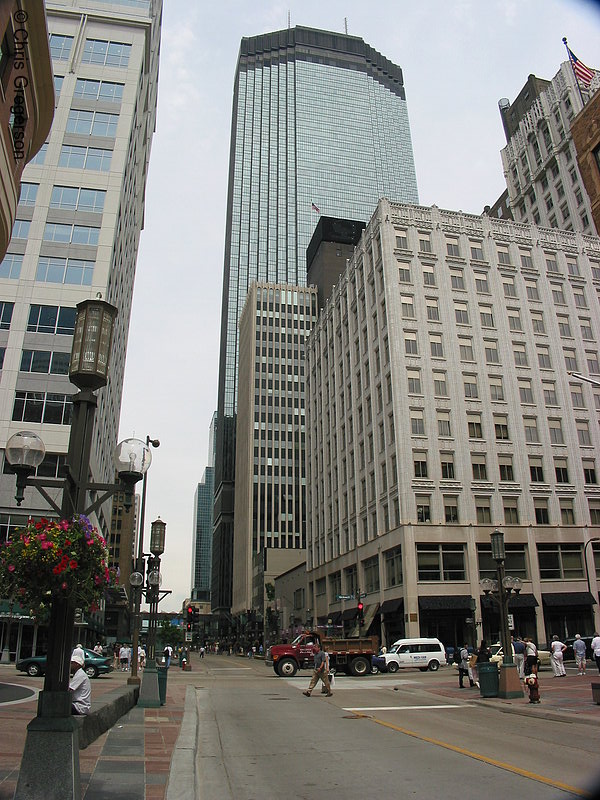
(270, 509)
(319, 124)
(441, 405)
(544, 182)
(203, 526)
(26, 99)
(76, 234)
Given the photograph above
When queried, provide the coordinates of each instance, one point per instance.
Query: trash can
(162, 684)
(487, 673)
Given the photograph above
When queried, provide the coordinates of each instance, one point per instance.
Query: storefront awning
(448, 602)
(515, 602)
(391, 606)
(568, 599)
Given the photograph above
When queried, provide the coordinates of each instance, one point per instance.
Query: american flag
(314, 208)
(582, 73)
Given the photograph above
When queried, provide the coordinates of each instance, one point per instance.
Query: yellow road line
(479, 757)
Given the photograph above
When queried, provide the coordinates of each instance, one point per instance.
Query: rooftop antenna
(346, 25)
(289, 20)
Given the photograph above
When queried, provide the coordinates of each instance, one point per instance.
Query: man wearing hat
(80, 687)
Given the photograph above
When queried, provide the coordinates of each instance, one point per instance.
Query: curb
(182, 771)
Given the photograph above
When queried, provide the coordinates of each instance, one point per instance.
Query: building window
(486, 316)
(45, 362)
(501, 427)
(20, 229)
(447, 463)
(541, 511)
(444, 423)
(503, 254)
(525, 391)
(414, 381)
(90, 123)
(520, 354)
(401, 240)
(106, 91)
(410, 343)
(561, 470)
(479, 467)
(514, 320)
(89, 158)
(428, 276)
(60, 46)
(452, 247)
(457, 280)
(579, 297)
(407, 306)
(526, 259)
(440, 562)
(461, 313)
(437, 349)
(423, 508)
(440, 386)
(577, 396)
(465, 346)
(505, 467)
(470, 386)
(393, 567)
(560, 561)
(508, 284)
(52, 319)
(109, 54)
(424, 242)
(594, 508)
(476, 250)
(10, 267)
(564, 327)
(544, 360)
(71, 234)
(417, 423)
(371, 574)
(491, 352)
(404, 272)
(531, 429)
(532, 290)
(589, 471)
(515, 563)
(450, 509)
(78, 199)
(537, 322)
(433, 311)
(70, 271)
(567, 514)
(558, 294)
(420, 464)
(474, 425)
(483, 510)
(570, 359)
(511, 510)
(28, 194)
(496, 388)
(536, 469)
(481, 283)
(556, 432)
(6, 312)
(583, 432)
(44, 407)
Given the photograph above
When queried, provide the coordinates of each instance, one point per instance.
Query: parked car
(94, 664)
(498, 655)
(569, 655)
(423, 654)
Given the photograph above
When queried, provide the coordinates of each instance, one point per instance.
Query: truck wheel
(374, 669)
(287, 668)
(392, 667)
(360, 666)
(434, 665)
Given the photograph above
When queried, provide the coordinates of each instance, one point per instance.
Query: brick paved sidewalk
(130, 761)
(568, 698)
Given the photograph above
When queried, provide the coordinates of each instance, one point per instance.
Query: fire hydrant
(532, 683)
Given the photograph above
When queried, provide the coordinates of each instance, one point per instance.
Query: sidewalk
(566, 699)
(129, 762)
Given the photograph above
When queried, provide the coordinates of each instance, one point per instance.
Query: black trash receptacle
(487, 673)
(162, 684)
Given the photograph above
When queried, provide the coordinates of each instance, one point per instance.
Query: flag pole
(573, 70)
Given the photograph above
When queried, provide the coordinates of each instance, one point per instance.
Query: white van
(423, 654)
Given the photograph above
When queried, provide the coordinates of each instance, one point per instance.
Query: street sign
(345, 597)
(511, 622)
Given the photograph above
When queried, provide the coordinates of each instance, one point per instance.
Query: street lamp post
(149, 694)
(50, 764)
(500, 590)
(136, 579)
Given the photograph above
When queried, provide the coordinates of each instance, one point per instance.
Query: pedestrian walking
(123, 658)
(557, 649)
(531, 657)
(579, 650)
(596, 649)
(167, 654)
(519, 648)
(319, 672)
(327, 669)
(78, 651)
(463, 668)
(483, 656)
(116, 651)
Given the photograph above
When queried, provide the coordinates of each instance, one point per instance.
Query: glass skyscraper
(319, 125)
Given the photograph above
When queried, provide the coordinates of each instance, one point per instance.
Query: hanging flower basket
(51, 559)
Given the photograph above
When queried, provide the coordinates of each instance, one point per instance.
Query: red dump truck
(352, 656)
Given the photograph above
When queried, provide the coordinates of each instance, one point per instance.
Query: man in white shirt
(596, 649)
(80, 687)
(78, 651)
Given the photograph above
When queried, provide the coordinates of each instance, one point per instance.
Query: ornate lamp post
(50, 763)
(136, 578)
(149, 694)
(500, 590)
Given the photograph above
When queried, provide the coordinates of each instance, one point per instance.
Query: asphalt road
(260, 738)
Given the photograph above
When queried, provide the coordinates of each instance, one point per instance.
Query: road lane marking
(485, 759)
(228, 669)
(405, 708)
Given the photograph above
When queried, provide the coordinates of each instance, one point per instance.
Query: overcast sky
(458, 58)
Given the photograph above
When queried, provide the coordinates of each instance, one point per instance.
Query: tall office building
(442, 403)
(320, 124)
(270, 511)
(77, 230)
(204, 499)
(543, 179)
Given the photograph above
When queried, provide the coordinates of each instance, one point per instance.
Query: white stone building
(440, 407)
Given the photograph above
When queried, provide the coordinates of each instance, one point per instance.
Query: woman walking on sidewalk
(557, 657)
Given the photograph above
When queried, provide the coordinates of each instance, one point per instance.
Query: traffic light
(359, 608)
(189, 626)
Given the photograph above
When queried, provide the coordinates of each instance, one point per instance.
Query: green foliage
(270, 591)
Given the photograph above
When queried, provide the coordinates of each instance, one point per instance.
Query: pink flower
(63, 585)
(11, 567)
